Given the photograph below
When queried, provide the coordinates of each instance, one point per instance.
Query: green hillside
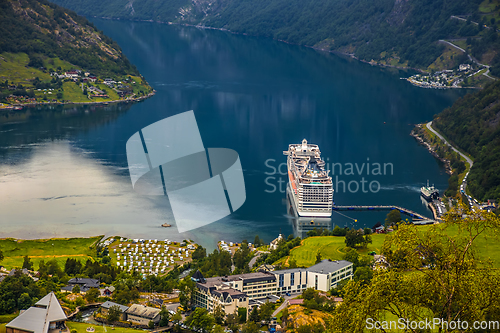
(388, 32)
(40, 42)
(473, 124)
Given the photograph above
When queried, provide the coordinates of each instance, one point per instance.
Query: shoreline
(204, 27)
(19, 106)
(339, 53)
(427, 145)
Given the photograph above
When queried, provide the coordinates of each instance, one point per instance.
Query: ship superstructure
(429, 193)
(309, 184)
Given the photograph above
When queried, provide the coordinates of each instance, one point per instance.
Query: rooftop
(246, 278)
(329, 266)
(229, 292)
(109, 304)
(290, 270)
(92, 283)
(142, 311)
(38, 318)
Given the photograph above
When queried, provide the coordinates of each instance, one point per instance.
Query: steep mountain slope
(44, 48)
(42, 28)
(391, 32)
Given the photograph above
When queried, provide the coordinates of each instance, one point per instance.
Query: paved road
(462, 19)
(281, 307)
(172, 306)
(253, 260)
(453, 45)
(470, 57)
(429, 126)
(469, 161)
(284, 304)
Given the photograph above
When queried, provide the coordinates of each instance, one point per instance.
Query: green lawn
(13, 68)
(74, 93)
(81, 328)
(42, 249)
(488, 6)
(2, 328)
(330, 247)
(6, 318)
(333, 247)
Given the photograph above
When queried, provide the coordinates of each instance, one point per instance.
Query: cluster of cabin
(150, 256)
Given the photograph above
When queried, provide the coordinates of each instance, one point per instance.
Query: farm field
(45, 249)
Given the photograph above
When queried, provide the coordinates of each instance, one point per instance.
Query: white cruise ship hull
(300, 213)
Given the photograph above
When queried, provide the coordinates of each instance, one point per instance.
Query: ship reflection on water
(301, 225)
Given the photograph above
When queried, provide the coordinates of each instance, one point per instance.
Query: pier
(416, 217)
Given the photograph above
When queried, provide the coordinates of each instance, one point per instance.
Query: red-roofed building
(295, 301)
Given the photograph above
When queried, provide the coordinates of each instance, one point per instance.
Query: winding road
(469, 161)
(470, 58)
(429, 126)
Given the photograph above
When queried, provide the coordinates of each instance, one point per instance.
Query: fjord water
(63, 171)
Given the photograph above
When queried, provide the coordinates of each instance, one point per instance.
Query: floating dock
(416, 217)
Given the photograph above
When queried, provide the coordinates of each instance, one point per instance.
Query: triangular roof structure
(198, 277)
(37, 319)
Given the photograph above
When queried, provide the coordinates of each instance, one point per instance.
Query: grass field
(448, 55)
(330, 247)
(13, 68)
(73, 92)
(333, 247)
(488, 6)
(7, 318)
(81, 328)
(2, 328)
(45, 249)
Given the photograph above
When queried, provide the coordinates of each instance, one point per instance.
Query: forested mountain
(391, 32)
(44, 30)
(473, 124)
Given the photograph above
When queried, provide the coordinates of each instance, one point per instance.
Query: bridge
(416, 217)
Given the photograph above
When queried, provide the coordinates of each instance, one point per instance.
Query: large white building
(326, 274)
(323, 276)
(246, 290)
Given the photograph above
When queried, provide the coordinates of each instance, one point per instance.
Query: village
(444, 79)
(98, 303)
(75, 86)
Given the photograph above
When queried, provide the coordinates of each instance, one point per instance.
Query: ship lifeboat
(292, 181)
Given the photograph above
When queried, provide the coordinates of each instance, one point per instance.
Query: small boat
(166, 225)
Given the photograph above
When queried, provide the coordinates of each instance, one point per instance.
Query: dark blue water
(63, 172)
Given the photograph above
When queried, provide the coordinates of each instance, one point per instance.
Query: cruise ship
(309, 184)
(429, 192)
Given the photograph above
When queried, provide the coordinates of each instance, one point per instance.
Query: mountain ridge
(400, 33)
